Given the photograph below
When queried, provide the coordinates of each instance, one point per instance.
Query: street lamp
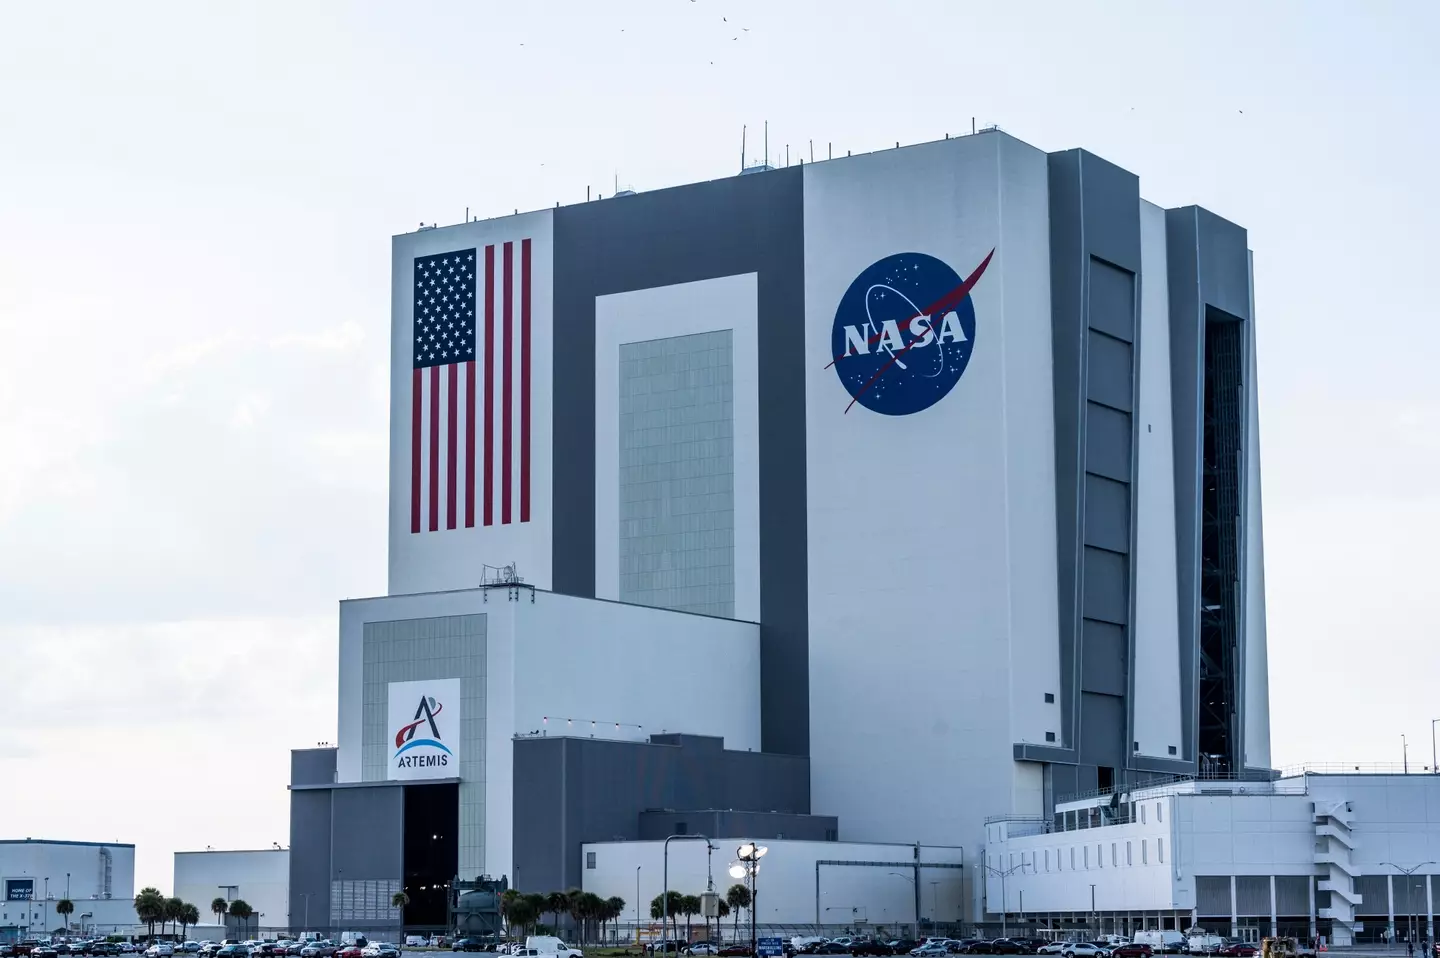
(637, 904)
(1433, 723)
(1407, 872)
(917, 899)
(1004, 901)
(748, 868)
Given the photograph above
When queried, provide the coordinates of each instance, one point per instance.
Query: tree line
(586, 909)
(153, 908)
(736, 900)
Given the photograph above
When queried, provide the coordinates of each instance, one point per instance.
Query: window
(1144, 851)
(1159, 811)
(1012, 859)
(589, 859)
(1160, 850)
(1142, 814)
(1047, 859)
(1049, 697)
(1087, 856)
(832, 834)
(1072, 858)
(1172, 750)
(1059, 862)
(1114, 856)
(1129, 860)
(1049, 736)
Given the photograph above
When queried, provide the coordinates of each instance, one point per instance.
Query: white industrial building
(261, 877)
(97, 877)
(1344, 853)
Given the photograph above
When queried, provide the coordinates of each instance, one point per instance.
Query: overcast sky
(196, 204)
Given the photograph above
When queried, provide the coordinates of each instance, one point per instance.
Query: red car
(1132, 951)
(1239, 950)
(350, 951)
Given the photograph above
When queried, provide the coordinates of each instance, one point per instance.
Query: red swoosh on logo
(404, 733)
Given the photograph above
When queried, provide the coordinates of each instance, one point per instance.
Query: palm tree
(173, 908)
(218, 908)
(738, 898)
(722, 910)
(189, 915)
(398, 901)
(241, 909)
(689, 907)
(536, 903)
(65, 908)
(555, 903)
(614, 908)
(150, 907)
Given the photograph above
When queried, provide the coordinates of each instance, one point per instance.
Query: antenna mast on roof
(742, 148)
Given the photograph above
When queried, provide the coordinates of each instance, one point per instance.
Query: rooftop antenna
(767, 142)
(742, 148)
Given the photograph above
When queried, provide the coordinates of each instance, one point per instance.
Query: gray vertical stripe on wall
(1094, 265)
(738, 225)
(1208, 267)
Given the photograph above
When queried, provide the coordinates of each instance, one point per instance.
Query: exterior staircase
(1334, 843)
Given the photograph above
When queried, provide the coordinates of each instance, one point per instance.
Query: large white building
(850, 502)
(1343, 852)
(259, 877)
(98, 878)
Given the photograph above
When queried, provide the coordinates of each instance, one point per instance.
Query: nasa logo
(904, 332)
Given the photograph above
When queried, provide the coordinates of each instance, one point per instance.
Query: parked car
(901, 946)
(932, 950)
(1085, 949)
(702, 948)
(161, 949)
(469, 944)
(870, 947)
(324, 948)
(1239, 949)
(971, 946)
(1010, 946)
(1134, 950)
(43, 951)
(734, 951)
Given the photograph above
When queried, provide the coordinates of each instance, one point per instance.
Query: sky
(196, 202)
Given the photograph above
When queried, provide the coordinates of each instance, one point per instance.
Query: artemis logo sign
(424, 729)
(904, 332)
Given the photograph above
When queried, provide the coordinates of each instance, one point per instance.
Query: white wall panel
(1157, 703)
(728, 302)
(261, 877)
(452, 558)
(932, 551)
(1257, 655)
(786, 885)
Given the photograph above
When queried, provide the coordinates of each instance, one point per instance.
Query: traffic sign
(770, 947)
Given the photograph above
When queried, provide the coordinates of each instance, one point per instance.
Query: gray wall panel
(310, 871)
(1105, 577)
(1107, 514)
(745, 224)
(1106, 651)
(1112, 300)
(1108, 441)
(368, 827)
(312, 766)
(1111, 371)
(1104, 714)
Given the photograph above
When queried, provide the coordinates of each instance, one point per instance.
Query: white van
(416, 941)
(547, 945)
(1162, 942)
(1204, 944)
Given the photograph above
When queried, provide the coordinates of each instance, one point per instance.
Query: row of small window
(1033, 863)
(1124, 814)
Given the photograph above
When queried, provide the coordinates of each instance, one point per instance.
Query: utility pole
(1094, 921)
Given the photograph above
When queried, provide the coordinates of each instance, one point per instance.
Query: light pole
(637, 904)
(1407, 872)
(1004, 900)
(1433, 723)
(934, 900)
(1405, 753)
(665, 877)
(917, 900)
(749, 868)
(1094, 921)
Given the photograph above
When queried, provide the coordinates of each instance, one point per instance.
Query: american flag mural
(470, 413)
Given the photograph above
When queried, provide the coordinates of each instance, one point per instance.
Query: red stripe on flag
(415, 454)
(525, 380)
(507, 385)
(434, 448)
(489, 385)
(450, 463)
(470, 444)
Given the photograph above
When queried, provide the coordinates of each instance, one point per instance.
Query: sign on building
(423, 735)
